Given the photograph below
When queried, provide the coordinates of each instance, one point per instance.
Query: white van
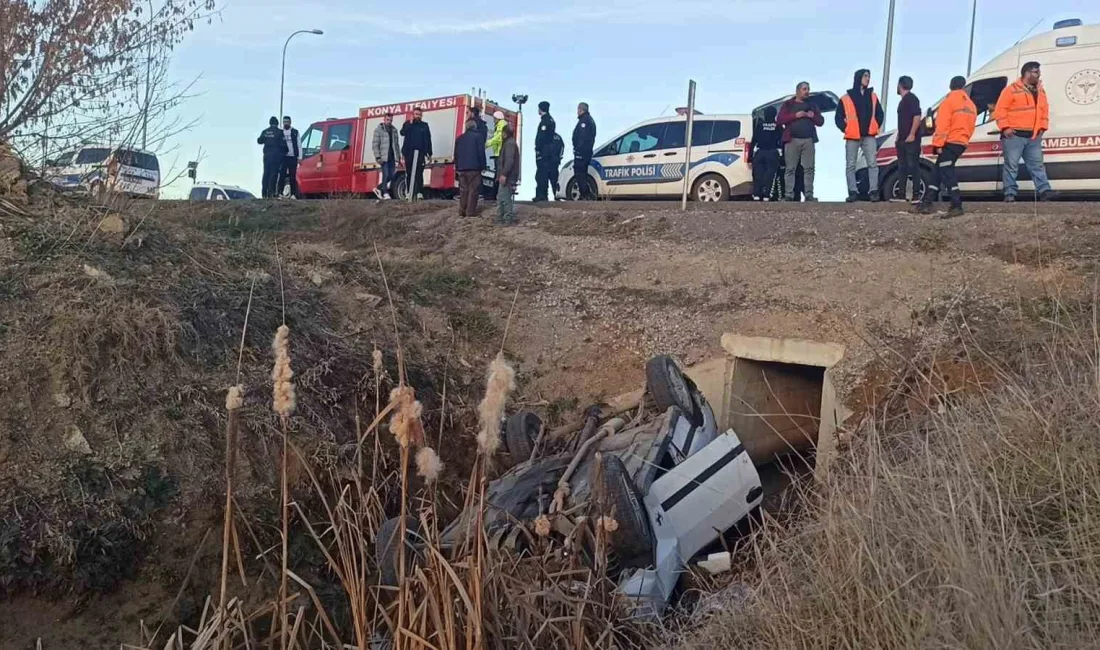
(647, 160)
(98, 170)
(1070, 59)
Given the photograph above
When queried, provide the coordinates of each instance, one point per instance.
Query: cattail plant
(283, 402)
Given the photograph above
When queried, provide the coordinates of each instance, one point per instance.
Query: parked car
(648, 160)
(1070, 59)
(216, 192)
(98, 170)
(672, 482)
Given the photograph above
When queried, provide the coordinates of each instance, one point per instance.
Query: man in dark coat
(508, 167)
(418, 145)
(469, 162)
(274, 146)
(584, 139)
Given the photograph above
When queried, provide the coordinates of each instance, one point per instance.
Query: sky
(629, 59)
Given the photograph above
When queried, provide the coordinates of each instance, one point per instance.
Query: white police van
(648, 160)
(97, 170)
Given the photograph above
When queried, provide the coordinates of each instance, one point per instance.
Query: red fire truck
(337, 158)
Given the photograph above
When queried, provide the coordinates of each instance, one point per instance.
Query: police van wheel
(711, 188)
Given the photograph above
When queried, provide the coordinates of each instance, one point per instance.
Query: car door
(310, 171)
(629, 166)
(671, 153)
(336, 162)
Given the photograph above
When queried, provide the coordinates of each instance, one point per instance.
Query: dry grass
(973, 524)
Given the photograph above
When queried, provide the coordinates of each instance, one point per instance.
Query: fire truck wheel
(400, 187)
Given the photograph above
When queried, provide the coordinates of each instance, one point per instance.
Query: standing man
(1023, 116)
(386, 152)
(289, 172)
(545, 165)
(418, 145)
(860, 117)
(469, 163)
(799, 120)
(495, 144)
(584, 139)
(482, 128)
(508, 177)
(955, 121)
(274, 151)
(908, 142)
(764, 154)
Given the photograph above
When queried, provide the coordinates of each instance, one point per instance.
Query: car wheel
(617, 497)
(711, 188)
(387, 553)
(863, 182)
(893, 189)
(669, 387)
(573, 190)
(520, 433)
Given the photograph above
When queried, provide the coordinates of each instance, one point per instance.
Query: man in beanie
(546, 166)
(275, 149)
(508, 177)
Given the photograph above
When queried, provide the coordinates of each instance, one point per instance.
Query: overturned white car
(672, 483)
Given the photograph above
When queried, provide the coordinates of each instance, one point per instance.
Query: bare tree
(83, 70)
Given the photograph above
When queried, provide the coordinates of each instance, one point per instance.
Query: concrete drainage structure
(777, 395)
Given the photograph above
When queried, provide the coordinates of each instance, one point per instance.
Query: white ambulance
(1070, 59)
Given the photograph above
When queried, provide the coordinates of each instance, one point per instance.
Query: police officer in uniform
(584, 139)
(545, 163)
(274, 143)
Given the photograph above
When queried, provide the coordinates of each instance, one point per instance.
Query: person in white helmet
(496, 142)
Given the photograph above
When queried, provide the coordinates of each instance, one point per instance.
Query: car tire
(387, 552)
(669, 387)
(863, 182)
(632, 541)
(890, 190)
(573, 191)
(710, 188)
(520, 432)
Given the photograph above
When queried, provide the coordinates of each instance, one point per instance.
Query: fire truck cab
(338, 160)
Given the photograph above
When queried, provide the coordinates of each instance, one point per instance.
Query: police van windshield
(137, 159)
(92, 156)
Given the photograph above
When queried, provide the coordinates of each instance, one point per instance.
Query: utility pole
(973, 22)
(884, 90)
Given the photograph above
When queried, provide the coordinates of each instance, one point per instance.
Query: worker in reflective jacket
(955, 119)
(1023, 116)
(860, 117)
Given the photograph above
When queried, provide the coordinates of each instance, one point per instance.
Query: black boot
(956, 209)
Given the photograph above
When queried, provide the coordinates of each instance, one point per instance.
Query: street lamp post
(282, 76)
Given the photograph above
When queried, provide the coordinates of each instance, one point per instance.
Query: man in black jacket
(584, 139)
(289, 171)
(418, 145)
(546, 161)
(274, 151)
(469, 161)
(482, 127)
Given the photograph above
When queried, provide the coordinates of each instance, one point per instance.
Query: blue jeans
(388, 168)
(1031, 150)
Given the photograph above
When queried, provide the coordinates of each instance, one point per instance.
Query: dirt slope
(131, 338)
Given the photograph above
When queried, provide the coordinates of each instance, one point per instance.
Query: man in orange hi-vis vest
(1023, 116)
(955, 120)
(860, 118)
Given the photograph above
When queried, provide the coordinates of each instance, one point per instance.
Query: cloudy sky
(629, 59)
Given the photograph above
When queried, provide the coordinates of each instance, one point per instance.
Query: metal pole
(973, 22)
(282, 75)
(410, 182)
(885, 96)
(687, 138)
(148, 65)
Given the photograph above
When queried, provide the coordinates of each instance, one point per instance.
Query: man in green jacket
(507, 176)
